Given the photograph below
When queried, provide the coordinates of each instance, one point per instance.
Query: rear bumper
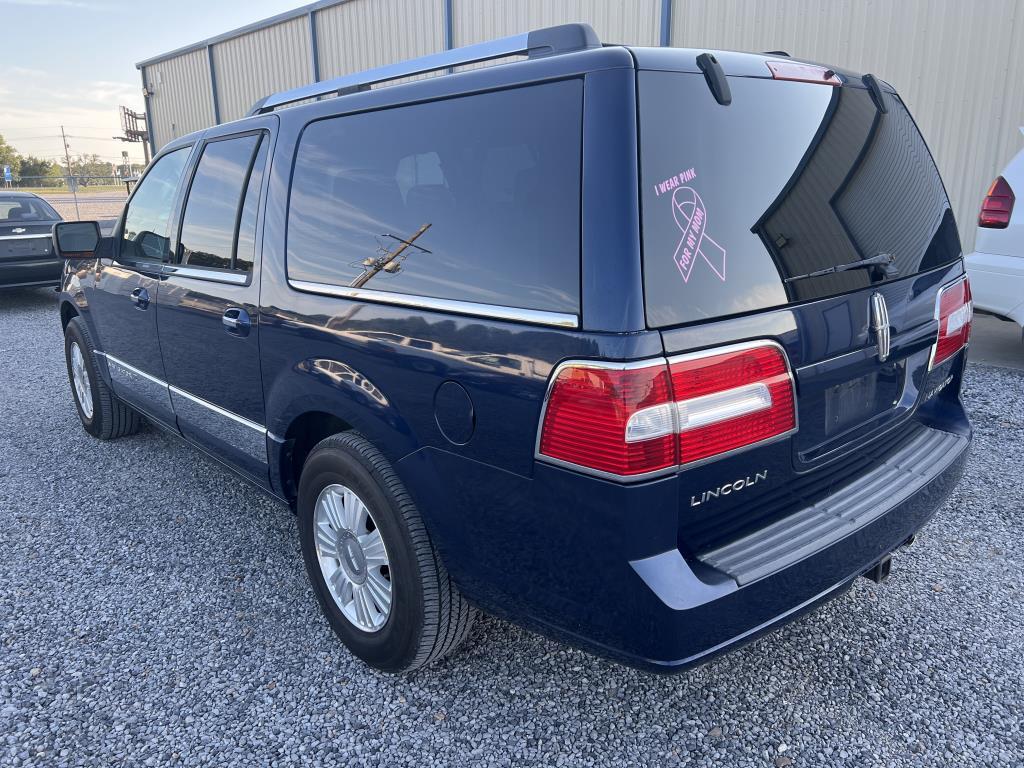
(533, 551)
(31, 272)
(997, 284)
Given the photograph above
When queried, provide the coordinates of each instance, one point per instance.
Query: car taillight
(997, 205)
(642, 418)
(588, 418)
(731, 399)
(954, 311)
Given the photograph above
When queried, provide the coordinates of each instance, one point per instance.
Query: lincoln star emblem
(880, 325)
(18, 230)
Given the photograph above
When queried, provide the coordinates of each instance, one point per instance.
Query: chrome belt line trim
(494, 311)
(233, 278)
(217, 409)
(187, 395)
(25, 237)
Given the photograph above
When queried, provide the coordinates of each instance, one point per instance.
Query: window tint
(211, 214)
(742, 204)
(485, 187)
(148, 217)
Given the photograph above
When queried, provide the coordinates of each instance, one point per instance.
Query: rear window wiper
(883, 260)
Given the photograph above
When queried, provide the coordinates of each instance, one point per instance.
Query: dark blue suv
(650, 350)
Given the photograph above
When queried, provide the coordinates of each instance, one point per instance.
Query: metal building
(958, 65)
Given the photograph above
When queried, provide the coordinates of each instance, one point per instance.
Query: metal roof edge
(255, 26)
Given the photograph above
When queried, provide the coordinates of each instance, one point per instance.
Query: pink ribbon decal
(691, 218)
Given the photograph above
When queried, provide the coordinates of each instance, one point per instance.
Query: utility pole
(71, 180)
(390, 261)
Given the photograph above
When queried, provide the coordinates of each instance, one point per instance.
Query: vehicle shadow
(17, 299)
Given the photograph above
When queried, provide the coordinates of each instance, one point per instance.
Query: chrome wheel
(352, 557)
(80, 378)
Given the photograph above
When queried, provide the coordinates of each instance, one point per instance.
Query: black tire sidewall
(394, 646)
(73, 335)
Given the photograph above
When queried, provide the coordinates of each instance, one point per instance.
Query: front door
(123, 295)
(209, 304)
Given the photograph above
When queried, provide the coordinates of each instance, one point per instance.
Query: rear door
(122, 297)
(208, 315)
(752, 213)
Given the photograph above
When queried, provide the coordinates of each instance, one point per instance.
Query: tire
(427, 617)
(103, 416)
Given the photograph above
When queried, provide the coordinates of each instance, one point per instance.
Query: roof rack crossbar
(536, 44)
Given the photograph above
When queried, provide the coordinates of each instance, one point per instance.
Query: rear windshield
(742, 202)
(15, 209)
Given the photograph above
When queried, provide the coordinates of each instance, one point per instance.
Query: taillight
(997, 205)
(630, 420)
(731, 399)
(803, 73)
(954, 311)
(589, 418)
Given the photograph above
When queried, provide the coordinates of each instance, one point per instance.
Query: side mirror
(76, 239)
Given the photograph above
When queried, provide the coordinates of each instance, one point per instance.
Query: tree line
(40, 172)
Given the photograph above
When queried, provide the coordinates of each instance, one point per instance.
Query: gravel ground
(155, 612)
(90, 205)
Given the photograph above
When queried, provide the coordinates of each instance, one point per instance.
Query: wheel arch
(68, 311)
(313, 403)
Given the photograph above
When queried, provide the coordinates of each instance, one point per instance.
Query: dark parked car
(26, 247)
(648, 349)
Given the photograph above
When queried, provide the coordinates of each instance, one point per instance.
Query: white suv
(996, 268)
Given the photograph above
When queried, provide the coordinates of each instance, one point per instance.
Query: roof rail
(542, 42)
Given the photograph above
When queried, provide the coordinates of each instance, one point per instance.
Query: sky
(72, 62)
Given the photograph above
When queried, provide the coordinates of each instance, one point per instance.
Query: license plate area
(851, 402)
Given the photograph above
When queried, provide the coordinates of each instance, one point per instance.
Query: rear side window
(741, 203)
(15, 209)
(214, 213)
(474, 198)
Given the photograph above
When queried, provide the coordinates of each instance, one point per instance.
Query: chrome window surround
(660, 361)
(212, 275)
(492, 311)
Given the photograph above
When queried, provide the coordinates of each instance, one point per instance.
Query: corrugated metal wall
(183, 100)
(251, 66)
(957, 64)
(635, 21)
(361, 34)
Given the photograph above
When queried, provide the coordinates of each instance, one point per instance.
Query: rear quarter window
(482, 192)
(740, 201)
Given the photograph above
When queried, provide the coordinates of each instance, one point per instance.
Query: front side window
(211, 222)
(475, 198)
(148, 218)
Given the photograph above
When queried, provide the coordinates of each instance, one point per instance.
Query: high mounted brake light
(954, 310)
(632, 420)
(803, 73)
(997, 206)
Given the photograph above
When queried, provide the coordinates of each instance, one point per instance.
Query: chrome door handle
(236, 320)
(141, 298)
